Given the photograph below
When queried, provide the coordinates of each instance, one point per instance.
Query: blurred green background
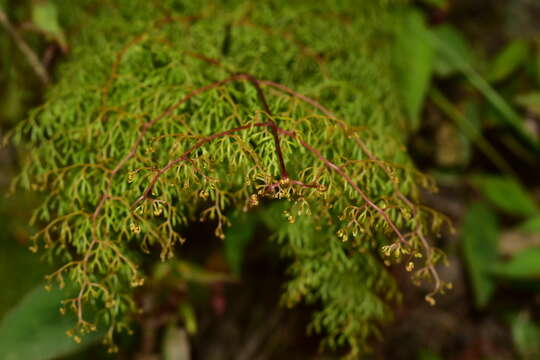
(469, 75)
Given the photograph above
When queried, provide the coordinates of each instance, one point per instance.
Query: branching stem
(276, 132)
(187, 153)
(350, 181)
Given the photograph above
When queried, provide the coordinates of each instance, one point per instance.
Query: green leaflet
(507, 194)
(509, 60)
(45, 18)
(414, 62)
(530, 101)
(480, 246)
(524, 265)
(525, 334)
(531, 225)
(35, 329)
(453, 39)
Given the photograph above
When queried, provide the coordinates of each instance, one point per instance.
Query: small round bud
(410, 266)
(135, 228)
(253, 200)
(131, 176)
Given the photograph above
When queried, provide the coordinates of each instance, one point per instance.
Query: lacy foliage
(164, 110)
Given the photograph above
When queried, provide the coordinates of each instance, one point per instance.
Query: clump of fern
(163, 110)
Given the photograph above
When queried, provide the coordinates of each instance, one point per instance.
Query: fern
(164, 108)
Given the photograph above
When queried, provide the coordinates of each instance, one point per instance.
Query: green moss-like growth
(165, 108)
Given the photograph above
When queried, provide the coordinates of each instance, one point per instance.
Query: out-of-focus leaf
(15, 258)
(531, 101)
(508, 60)
(428, 355)
(506, 194)
(437, 3)
(480, 241)
(237, 238)
(198, 274)
(531, 225)
(469, 124)
(526, 336)
(453, 39)
(176, 344)
(538, 65)
(414, 64)
(508, 114)
(188, 315)
(45, 18)
(36, 330)
(524, 265)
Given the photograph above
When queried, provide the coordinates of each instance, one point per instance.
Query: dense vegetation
(290, 120)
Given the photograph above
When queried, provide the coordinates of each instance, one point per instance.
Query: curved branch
(188, 152)
(350, 181)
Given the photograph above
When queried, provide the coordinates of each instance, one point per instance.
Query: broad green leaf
(480, 242)
(45, 18)
(453, 39)
(237, 238)
(36, 330)
(414, 64)
(526, 336)
(531, 101)
(524, 265)
(531, 225)
(15, 258)
(509, 60)
(507, 194)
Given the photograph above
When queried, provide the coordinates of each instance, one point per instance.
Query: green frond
(127, 163)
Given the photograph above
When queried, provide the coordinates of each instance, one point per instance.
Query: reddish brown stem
(304, 98)
(274, 128)
(188, 152)
(350, 181)
(169, 111)
(331, 115)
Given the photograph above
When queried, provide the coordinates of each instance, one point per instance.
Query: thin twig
(429, 261)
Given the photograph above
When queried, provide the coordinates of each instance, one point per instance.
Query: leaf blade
(480, 242)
